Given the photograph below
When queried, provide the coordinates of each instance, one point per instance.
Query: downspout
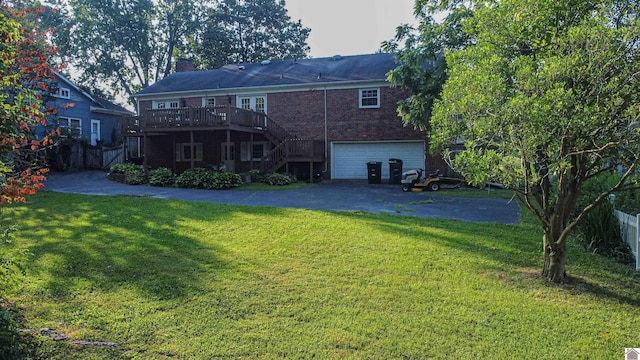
(326, 136)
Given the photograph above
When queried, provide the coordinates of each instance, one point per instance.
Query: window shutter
(244, 152)
(178, 152)
(198, 152)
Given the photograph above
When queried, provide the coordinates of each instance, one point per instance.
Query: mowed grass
(188, 280)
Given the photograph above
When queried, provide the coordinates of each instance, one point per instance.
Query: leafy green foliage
(13, 343)
(201, 178)
(127, 45)
(162, 177)
(278, 179)
(256, 175)
(544, 99)
(422, 68)
(250, 31)
(599, 232)
(128, 173)
(629, 201)
(123, 168)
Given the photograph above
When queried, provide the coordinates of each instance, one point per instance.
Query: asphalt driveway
(365, 197)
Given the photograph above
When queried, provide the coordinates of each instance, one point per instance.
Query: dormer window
(64, 93)
(369, 98)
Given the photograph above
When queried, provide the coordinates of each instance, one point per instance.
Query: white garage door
(349, 160)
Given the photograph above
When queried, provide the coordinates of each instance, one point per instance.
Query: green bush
(128, 173)
(256, 175)
(134, 177)
(162, 177)
(197, 178)
(599, 231)
(14, 344)
(201, 178)
(227, 180)
(629, 201)
(278, 179)
(124, 168)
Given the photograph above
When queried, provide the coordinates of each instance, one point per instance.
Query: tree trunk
(555, 257)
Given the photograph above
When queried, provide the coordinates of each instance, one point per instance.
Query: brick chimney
(183, 65)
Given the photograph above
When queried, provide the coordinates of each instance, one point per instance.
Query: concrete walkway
(358, 196)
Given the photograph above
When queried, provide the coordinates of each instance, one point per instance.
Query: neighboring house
(303, 116)
(84, 116)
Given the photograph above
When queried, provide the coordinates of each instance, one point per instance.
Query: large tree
(238, 31)
(546, 98)
(125, 45)
(419, 52)
(25, 78)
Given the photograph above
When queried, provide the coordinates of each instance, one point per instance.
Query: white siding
(349, 159)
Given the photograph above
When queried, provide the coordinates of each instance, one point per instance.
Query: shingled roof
(290, 72)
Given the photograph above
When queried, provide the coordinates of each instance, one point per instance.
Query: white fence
(629, 226)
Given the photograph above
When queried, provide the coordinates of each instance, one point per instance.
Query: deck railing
(193, 117)
(293, 150)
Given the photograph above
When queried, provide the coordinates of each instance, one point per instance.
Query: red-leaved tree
(25, 79)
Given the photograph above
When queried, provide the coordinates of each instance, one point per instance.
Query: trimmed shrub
(124, 168)
(200, 178)
(162, 177)
(256, 175)
(277, 179)
(127, 173)
(227, 180)
(134, 177)
(197, 178)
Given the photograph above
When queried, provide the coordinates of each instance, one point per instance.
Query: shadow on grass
(509, 248)
(145, 244)
(152, 245)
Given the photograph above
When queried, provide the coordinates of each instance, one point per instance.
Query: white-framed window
(209, 101)
(169, 104)
(64, 93)
(188, 152)
(70, 127)
(253, 151)
(223, 152)
(369, 98)
(256, 103)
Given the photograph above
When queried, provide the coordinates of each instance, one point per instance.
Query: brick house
(303, 116)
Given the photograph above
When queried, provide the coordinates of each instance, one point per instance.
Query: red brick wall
(303, 114)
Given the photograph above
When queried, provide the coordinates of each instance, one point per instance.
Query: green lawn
(189, 280)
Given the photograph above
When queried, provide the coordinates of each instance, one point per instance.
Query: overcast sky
(349, 27)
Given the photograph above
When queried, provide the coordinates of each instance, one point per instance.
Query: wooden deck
(287, 148)
(188, 118)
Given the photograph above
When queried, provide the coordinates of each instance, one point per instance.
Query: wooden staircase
(289, 148)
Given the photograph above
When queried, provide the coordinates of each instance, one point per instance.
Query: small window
(64, 93)
(210, 102)
(255, 152)
(188, 152)
(70, 127)
(369, 98)
(171, 104)
(260, 104)
(245, 103)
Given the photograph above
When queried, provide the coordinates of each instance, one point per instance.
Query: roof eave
(269, 88)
